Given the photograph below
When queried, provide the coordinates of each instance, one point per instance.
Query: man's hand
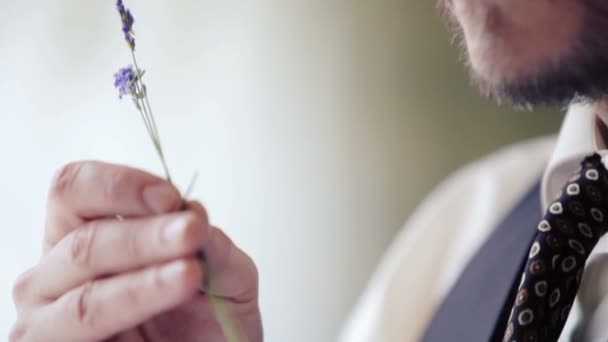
(135, 278)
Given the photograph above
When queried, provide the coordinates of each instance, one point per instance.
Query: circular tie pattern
(569, 231)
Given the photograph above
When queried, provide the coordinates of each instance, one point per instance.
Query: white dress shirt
(450, 225)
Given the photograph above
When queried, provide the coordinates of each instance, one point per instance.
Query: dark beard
(580, 76)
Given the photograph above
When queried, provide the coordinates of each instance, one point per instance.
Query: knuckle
(253, 276)
(135, 246)
(156, 279)
(65, 178)
(21, 287)
(81, 244)
(116, 181)
(81, 308)
(18, 331)
(132, 295)
(254, 270)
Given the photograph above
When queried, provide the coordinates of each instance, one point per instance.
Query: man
(452, 252)
(137, 278)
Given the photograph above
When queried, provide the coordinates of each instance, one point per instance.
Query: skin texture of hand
(136, 278)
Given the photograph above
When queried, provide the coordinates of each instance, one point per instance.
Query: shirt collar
(577, 139)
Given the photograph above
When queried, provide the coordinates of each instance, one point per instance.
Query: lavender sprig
(124, 81)
(127, 23)
(129, 81)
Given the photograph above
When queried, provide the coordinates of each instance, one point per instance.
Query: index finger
(86, 190)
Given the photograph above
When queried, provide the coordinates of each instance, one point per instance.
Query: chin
(541, 52)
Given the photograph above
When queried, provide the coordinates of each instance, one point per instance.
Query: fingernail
(175, 228)
(161, 198)
(173, 270)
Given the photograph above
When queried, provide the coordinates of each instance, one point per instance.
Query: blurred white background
(315, 126)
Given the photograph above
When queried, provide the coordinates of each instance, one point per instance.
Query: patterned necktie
(569, 231)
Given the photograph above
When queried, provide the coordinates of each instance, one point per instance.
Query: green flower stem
(223, 318)
(146, 112)
(227, 325)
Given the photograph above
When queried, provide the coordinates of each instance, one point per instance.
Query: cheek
(508, 40)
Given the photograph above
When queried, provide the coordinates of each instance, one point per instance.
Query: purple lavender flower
(127, 23)
(124, 81)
